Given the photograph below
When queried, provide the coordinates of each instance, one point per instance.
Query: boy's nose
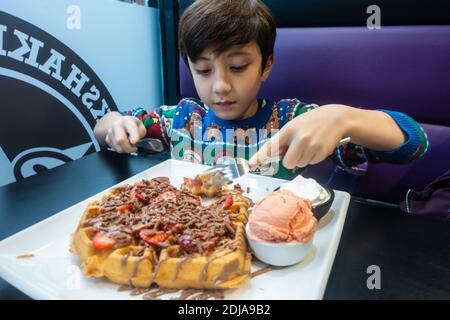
(221, 85)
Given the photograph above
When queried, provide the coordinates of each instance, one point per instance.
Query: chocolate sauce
(124, 288)
(157, 293)
(25, 256)
(260, 272)
(139, 291)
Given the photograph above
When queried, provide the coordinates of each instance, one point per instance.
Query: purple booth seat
(403, 68)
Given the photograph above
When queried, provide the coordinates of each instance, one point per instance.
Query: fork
(151, 144)
(237, 167)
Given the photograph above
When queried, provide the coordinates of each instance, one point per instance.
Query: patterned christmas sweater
(192, 132)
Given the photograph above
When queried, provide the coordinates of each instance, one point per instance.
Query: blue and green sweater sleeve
(415, 145)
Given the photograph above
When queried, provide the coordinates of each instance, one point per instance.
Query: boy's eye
(203, 72)
(238, 68)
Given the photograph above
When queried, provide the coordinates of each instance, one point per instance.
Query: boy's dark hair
(225, 23)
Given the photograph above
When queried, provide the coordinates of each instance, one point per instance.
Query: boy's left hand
(307, 139)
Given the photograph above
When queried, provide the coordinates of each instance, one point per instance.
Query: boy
(228, 47)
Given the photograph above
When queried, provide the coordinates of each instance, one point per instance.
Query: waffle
(204, 184)
(151, 232)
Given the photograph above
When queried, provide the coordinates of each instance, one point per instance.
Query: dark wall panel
(322, 13)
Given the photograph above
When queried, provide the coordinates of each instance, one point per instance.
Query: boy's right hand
(125, 133)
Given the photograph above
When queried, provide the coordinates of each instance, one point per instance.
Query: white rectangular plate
(53, 272)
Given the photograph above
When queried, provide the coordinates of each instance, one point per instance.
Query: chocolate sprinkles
(155, 214)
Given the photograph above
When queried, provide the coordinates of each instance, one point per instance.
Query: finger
(275, 146)
(295, 152)
(323, 152)
(318, 157)
(108, 139)
(111, 140)
(142, 129)
(112, 144)
(132, 130)
(315, 152)
(305, 159)
(121, 142)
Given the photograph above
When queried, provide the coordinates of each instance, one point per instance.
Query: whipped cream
(306, 188)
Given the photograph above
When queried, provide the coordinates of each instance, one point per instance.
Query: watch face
(51, 101)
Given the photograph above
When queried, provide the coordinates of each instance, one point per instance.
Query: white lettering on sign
(73, 78)
(53, 62)
(31, 51)
(2, 30)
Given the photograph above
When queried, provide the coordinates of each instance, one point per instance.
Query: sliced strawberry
(140, 197)
(125, 208)
(138, 229)
(228, 202)
(102, 242)
(197, 182)
(154, 239)
(211, 244)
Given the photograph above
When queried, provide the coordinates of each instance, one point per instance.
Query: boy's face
(230, 82)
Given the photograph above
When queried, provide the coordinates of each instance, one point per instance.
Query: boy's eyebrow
(235, 53)
(239, 53)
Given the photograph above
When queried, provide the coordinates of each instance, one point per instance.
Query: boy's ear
(268, 67)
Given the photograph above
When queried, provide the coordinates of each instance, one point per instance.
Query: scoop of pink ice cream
(282, 217)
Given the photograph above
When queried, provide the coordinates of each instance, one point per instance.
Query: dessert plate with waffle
(163, 231)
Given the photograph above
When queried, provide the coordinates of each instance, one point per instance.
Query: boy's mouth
(225, 103)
